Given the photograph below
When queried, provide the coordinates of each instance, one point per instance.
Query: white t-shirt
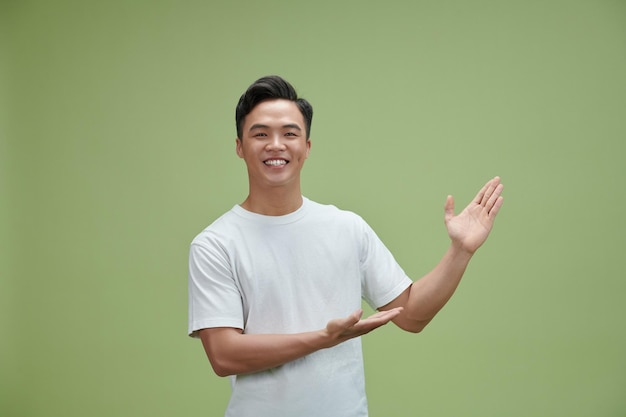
(292, 274)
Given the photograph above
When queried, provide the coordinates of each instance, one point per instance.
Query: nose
(275, 143)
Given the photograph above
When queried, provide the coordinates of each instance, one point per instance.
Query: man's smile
(276, 162)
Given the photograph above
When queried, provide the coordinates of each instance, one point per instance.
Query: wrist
(324, 339)
(458, 251)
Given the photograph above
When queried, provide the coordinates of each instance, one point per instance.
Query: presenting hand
(340, 330)
(470, 228)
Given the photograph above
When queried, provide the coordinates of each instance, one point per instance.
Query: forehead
(275, 113)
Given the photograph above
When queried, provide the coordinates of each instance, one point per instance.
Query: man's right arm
(231, 352)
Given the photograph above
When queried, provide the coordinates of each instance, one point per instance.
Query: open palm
(470, 228)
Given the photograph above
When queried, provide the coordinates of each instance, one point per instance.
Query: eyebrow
(287, 126)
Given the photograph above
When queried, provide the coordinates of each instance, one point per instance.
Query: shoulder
(332, 214)
(218, 230)
(329, 209)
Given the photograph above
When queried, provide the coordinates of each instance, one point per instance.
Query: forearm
(430, 293)
(232, 352)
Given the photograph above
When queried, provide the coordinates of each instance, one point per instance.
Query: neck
(274, 202)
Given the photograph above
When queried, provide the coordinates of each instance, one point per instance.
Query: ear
(238, 147)
(308, 148)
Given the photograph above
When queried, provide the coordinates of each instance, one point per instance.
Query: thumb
(351, 320)
(356, 316)
(449, 209)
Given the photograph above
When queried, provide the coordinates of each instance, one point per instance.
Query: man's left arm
(467, 231)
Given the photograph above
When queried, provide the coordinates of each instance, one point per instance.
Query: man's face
(274, 144)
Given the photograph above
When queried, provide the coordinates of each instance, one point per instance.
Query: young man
(276, 283)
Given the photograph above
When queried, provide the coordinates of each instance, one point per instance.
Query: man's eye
(290, 134)
(260, 134)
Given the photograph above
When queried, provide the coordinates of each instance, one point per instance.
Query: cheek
(304, 156)
(243, 151)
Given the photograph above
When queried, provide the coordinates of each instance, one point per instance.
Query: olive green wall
(118, 147)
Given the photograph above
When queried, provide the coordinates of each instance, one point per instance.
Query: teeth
(275, 162)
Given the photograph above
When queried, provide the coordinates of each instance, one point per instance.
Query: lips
(275, 162)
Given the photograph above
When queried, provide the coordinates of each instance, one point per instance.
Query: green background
(117, 129)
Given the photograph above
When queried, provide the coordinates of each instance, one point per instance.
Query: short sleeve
(214, 297)
(382, 277)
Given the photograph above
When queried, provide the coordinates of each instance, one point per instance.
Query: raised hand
(470, 228)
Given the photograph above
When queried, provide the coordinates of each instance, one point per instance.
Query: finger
(376, 320)
(494, 197)
(355, 317)
(479, 196)
(385, 316)
(449, 208)
(487, 191)
(384, 313)
(496, 207)
(349, 321)
(491, 187)
(393, 313)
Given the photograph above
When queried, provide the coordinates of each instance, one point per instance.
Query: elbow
(221, 372)
(414, 326)
(218, 349)
(221, 368)
(414, 329)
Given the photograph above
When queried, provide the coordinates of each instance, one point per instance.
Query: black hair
(271, 87)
